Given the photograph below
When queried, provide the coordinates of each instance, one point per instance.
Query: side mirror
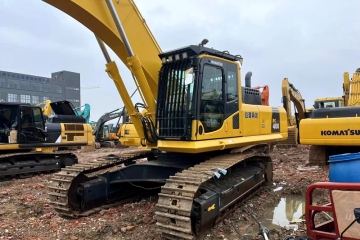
(189, 76)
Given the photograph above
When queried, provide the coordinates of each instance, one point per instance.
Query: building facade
(25, 88)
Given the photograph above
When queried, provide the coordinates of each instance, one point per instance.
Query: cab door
(31, 125)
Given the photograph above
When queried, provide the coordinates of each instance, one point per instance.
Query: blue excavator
(85, 113)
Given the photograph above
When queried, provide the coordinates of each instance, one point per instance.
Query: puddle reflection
(277, 215)
(287, 209)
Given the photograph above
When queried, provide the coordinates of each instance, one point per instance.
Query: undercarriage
(319, 155)
(195, 191)
(26, 164)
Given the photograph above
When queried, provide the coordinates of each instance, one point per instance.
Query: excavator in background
(27, 142)
(206, 135)
(295, 96)
(328, 130)
(291, 94)
(46, 108)
(351, 94)
(102, 132)
(85, 113)
(339, 134)
(351, 89)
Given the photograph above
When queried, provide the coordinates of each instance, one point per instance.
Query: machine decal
(275, 124)
(212, 207)
(347, 132)
(251, 115)
(216, 62)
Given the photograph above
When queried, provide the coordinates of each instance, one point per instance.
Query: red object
(326, 230)
(264, 94)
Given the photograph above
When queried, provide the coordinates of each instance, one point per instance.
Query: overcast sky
(310, 42)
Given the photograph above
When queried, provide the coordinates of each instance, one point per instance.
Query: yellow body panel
(218, 144)
(73, 133)
(251, 131)
(330, 131)
(259, 126)
(129, 136)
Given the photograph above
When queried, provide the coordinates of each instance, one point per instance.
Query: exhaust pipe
(248, 79)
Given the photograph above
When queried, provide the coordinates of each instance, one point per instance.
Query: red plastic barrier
(328, 230)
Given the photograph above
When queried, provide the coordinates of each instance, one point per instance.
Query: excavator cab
(196, 84)
(21, 124)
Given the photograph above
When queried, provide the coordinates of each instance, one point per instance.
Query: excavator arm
(118, 24)
(46, 108)
(291, 94)
(85, 113)
(351, 89)
(105, 118)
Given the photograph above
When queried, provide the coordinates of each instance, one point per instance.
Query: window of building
(35, 99)
(25, 98)
(13, 83)
(36, 86)
(73, 100)
(57, 89)
(24, 85)
(44, 99)
(47, 87)
(73, 88)
(3, 82)
(12, 97)
(3, 97)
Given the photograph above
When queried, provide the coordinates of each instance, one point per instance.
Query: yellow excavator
(46, 108)
(125, 133)
(292, 94)
(324, 102)
(339, 133)
(208, 134)
(328, 130)
(27, 142)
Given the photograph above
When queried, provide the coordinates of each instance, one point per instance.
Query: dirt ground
(26, 214)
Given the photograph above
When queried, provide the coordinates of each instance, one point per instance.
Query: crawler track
(60, 189)
(176, 200)
(29, 163)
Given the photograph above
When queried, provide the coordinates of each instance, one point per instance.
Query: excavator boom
(291, 94)
(351, 88)
(96, 16)
(121, 26)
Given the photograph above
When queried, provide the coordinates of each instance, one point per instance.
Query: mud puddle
(277, 215)
(286, 210)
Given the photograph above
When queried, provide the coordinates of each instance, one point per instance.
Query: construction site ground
(26, 214)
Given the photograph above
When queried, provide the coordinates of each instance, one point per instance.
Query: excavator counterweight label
(348, 132)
